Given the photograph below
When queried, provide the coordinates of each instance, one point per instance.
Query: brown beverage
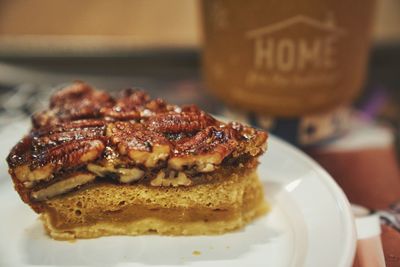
(286, 58)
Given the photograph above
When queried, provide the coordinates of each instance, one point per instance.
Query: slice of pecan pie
(93, 165)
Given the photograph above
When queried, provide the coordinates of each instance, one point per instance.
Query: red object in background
(369, 177)
(391, 246)
(364, 164)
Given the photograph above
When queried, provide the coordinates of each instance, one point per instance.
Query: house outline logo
(327, 25)
(288, 53)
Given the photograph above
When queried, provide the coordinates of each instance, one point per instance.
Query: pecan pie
(93, 165)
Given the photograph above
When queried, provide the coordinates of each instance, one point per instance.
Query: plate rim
(341, 199)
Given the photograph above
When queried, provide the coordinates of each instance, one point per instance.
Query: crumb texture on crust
(107, 209)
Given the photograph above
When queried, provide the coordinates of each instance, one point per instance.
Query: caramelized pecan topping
(86, 134)
(78, 101)
(63, 186)
(184, 122)
(141, 145)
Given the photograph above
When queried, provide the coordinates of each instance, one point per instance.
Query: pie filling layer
(166, 211)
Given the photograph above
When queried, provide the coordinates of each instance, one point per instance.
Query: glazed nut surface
(87, 134)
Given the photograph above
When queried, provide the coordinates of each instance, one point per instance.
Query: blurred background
(175, 50)
(152, 44)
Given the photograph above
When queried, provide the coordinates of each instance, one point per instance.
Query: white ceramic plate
(310, 225)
